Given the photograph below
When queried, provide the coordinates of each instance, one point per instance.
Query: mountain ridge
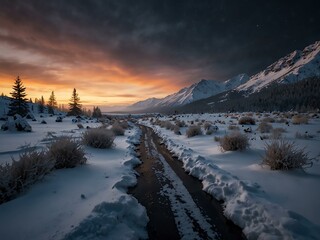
(200, 90)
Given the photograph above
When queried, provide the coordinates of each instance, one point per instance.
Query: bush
(305, 135)
(299, 119)
(233, 128)
(180, 123)
(265, 127)
(80, 126)
(176, 130)
(66, 153)
(247, 121)
(282, 155)
(168, 125)
(216, 139)
(276, 133)
(117, 130)
(207, 126)
(31, 167)
(98, 138)
(193, 131)
(268, 119)
(235, 141)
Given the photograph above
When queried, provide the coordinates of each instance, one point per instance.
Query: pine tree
(96, 112)
(52, 103)
(41, 105)
(74, 105)
(18, 104)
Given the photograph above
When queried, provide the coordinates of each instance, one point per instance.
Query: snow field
(86, 202)
(266, 204)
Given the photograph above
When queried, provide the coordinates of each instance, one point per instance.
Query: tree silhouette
(18, 104)
(96, 112)
(52, 103)
(41, 105)
(74, 105)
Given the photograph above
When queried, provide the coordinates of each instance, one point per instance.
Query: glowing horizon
(116, 53)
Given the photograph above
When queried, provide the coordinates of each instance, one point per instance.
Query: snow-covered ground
(266, 204)
(85, 202)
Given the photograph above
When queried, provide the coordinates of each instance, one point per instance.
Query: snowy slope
(294, 67)
(197, 91)
(150, 102)
(200, 90)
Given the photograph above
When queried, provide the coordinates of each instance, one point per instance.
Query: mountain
(200, 90)
(145, 104)
(298, 96)
(294, 67)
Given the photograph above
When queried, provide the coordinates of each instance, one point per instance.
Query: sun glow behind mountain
(116, 53)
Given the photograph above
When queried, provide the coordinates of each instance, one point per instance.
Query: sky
(117, 52)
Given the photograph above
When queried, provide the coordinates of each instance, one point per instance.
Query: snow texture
(294, 67)
(245, 203)
(85, 202)
(197, 91)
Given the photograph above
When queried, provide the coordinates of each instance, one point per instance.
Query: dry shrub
(117, 129)
(66, 153)
(299, 119)
(233, 128)
(276, 133)
(216, 139)
(180, 123)
(193, 131)
(80, 126)
(235, 141)
(207, 126)
(168, 125)
(265, 127)
(247, 121)
(305, 135)
(124, 124)
(268, 119)
(98, 138)
(176, 130)
(31, 167)
(283, 155)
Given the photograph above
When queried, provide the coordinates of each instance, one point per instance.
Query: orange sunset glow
(98, 80)
(116, 53)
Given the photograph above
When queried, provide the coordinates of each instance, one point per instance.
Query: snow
(85, 202)
(200, 90)
(266, 204)
(294, 67)
(182, 205)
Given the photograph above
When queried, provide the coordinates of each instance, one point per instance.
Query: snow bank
(86, 202)
(245, 203)
(16, 123)
(124, 218)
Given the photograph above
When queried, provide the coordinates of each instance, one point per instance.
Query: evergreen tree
(18, 104)
(52, 103)
(41, 105)
(74, 105)
(96, 112)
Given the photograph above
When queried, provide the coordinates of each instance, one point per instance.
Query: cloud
(131, 46)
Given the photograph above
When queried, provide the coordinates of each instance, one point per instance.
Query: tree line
(19, 103)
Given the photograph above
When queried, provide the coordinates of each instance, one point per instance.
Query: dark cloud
(191, 39)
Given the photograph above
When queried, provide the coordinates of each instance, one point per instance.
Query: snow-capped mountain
(148, 103)
(200, 90)
(294, 67)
